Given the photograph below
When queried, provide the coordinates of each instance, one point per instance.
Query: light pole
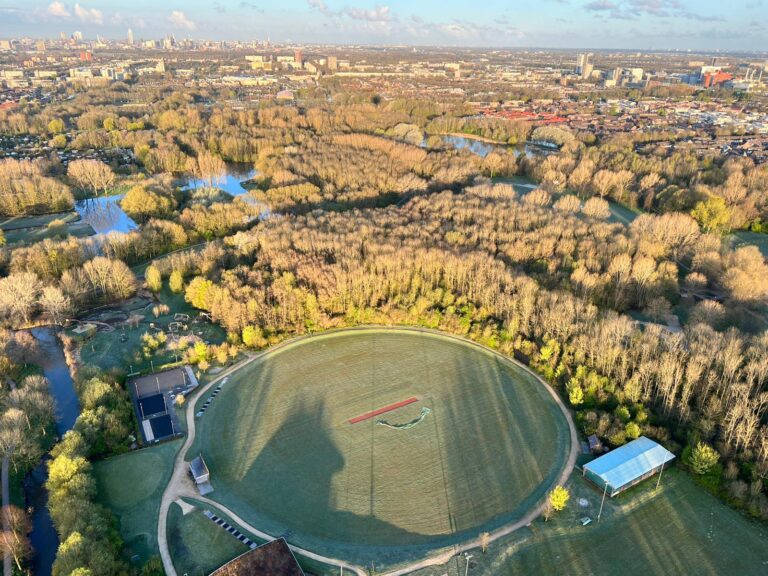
(467, 557)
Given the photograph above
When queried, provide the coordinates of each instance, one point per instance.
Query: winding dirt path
(180, 485)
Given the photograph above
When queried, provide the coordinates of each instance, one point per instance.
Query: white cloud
(319, 5)
(57, 10)
(178, 19)
(89, 15)
(377, 14)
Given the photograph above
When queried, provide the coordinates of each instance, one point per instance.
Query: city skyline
(578, 24)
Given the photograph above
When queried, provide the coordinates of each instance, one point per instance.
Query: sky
(614, 24)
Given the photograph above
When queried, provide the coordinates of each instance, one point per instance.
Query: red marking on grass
(378, 411)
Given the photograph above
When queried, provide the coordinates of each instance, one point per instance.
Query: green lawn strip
(197, 545)
(131, 485)
(482, 458)
(679, 529)
(622, 213)
(39, 221)
(32, 235)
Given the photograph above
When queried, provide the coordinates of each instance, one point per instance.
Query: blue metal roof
(626, 463)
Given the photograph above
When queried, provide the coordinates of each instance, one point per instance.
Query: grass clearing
(121, 349)
(39, 221)
(745, 238)
(281, 451)
(31, 229)
(32, 235)
(622, 213)
(197, 545)
(131, 485)
(678, 530)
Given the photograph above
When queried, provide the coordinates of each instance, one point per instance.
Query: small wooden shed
(199, 470)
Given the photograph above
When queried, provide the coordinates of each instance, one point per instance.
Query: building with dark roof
(274, 558)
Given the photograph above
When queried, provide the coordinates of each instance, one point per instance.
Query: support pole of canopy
(660, 473)
(602, 502)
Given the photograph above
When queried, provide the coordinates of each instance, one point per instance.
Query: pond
(105, 215)
(237, 173)
(482, 148)
(44, 539)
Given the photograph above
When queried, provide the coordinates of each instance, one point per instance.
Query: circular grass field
(480, 446)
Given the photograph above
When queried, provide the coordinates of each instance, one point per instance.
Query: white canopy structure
(627, 465)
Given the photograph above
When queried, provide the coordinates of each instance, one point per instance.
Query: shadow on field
(301, 493)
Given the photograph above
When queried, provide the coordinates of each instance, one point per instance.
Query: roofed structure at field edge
(627, 465)
(274, 558)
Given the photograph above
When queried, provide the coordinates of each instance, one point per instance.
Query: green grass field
(199, 546)
(31, 229)
(32, 235)
(17, 222)
(675, 531)
(131, 485)
(282, 454)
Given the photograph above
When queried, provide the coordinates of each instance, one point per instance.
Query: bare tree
(211, 168)
(596, 208)
(55, 304)
(568, 203)
(18, 296)
(91, 175)
(14, 539)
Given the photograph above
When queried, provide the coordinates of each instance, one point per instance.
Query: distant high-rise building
(584, 65)
(298, 57)
(77, 35)
(130, 37)
(333, 63)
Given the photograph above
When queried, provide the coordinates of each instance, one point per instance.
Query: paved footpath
(180, 485)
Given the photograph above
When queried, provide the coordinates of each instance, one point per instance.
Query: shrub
(703, 458)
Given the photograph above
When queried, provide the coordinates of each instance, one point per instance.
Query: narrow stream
(43, 537)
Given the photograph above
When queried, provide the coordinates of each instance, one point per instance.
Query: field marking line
(383, 410)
